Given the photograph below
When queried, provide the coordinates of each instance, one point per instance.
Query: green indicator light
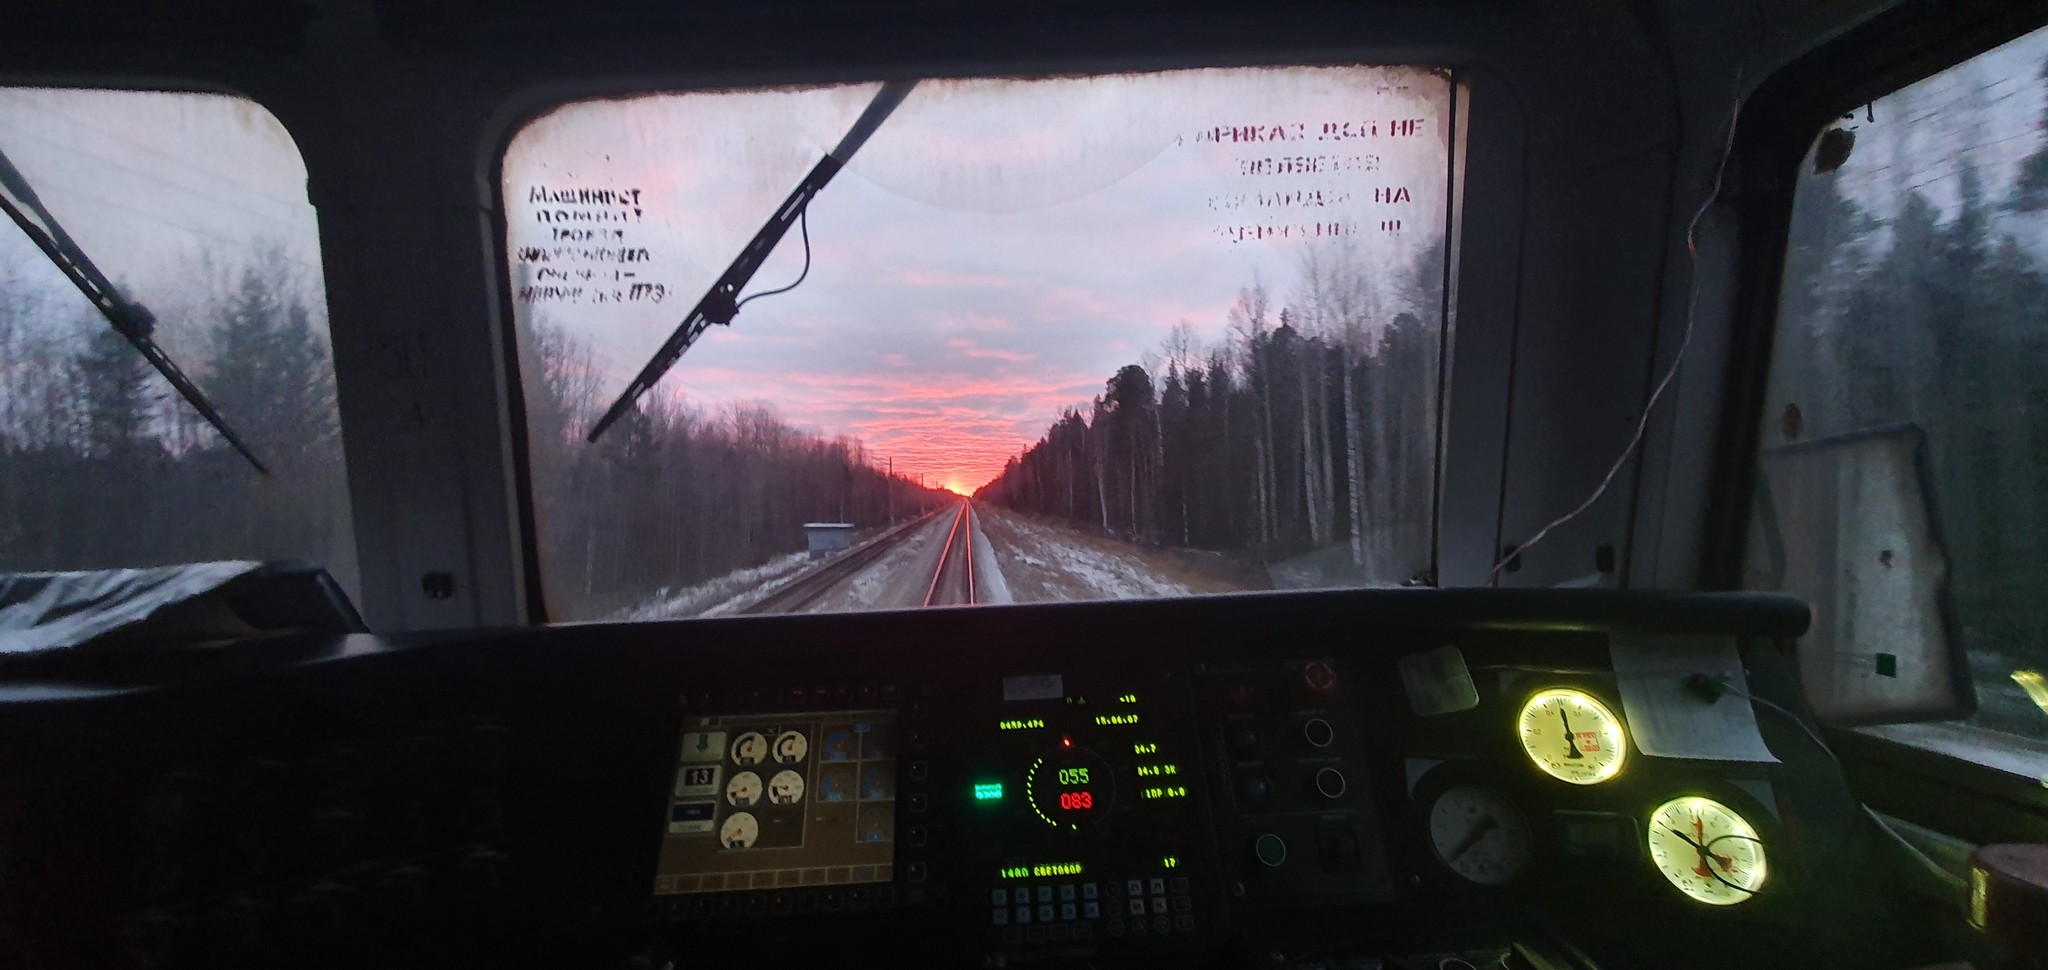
(988, 791)
(1170, 862)
(1113, 719)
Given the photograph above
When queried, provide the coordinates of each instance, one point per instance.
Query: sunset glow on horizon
(991, 257)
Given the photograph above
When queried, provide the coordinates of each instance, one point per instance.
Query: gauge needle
(1571, 744)
(1727, 863)
(1486, 824)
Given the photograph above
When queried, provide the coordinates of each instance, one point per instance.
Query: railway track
(957, 560)
(806, 588)
(952, 582)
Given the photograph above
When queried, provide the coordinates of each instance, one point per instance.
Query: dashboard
(1365, 778)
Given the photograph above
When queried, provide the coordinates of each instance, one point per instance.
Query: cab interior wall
(1605, 118)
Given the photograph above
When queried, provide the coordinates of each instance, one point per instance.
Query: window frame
(1774, 132)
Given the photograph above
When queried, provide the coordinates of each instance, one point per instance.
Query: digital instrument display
(1707, 850)
(1572, 736)
(766, 801)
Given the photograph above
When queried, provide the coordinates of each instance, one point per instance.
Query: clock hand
(1571, 743)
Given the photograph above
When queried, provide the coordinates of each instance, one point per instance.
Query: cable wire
(1684, 342)
(1947, 878)
(803, 225)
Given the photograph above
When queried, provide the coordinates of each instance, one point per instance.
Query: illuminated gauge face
(1707, 850)
(790, 747)
(749, 748)
(786, 788)
(744, 790)
(1480, 835)
(1572, 736)
(1070, 787)
(739, 831)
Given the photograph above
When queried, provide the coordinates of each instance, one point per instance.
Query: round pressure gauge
(1480, 835)
(744, 789)
(739, 831)
(1707, 850)
(786, 788)
(1572, 736)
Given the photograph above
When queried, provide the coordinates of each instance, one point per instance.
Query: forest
(103, 465)
(1311, 426)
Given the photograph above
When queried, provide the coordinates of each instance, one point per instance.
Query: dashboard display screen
(765, 801)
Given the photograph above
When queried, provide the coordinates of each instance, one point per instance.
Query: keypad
(1066, 911)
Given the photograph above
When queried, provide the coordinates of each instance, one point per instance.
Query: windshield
(195, 206)
(1173, 333)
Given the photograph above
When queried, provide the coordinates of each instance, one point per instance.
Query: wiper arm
(720, 303)
(130, 319)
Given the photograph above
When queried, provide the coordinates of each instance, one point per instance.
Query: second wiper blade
(721, 302)
(131, 320)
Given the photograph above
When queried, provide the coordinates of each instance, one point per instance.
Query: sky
(991, 256)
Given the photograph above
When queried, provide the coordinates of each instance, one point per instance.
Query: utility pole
(892, 488)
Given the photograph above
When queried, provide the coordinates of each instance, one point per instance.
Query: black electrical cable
(803, 225)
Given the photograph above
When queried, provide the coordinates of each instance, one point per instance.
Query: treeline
(1905, 309)
(672, 495)
(1310, 426)
(103, 465)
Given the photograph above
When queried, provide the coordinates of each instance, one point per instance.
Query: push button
(1179, 884)
(1067, 893)
(1271, 850)
(1045, 894)
(1091, 910)
(1045, 913)
(999, 897)
(1135, 887)
(1158, 887)
(1137, 906)
(1023, 915)
(1088, 890)
(1020, 895)
(1069, 911)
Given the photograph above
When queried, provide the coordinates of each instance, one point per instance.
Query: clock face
(1572, 736)
(1707, 850)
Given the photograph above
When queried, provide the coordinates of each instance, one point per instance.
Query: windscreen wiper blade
(720, 303)
(130, 319)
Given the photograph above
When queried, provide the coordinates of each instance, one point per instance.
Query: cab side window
(1915, 306)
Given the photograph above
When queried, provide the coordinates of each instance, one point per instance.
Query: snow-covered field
(725, 594)
(1044, 563)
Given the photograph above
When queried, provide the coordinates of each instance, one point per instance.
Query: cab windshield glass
(193, 205)
(1049, 339)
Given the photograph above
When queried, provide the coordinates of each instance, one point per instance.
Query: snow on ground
(1044, 563)
(897, 580)
(990, 586)
(720, 595)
